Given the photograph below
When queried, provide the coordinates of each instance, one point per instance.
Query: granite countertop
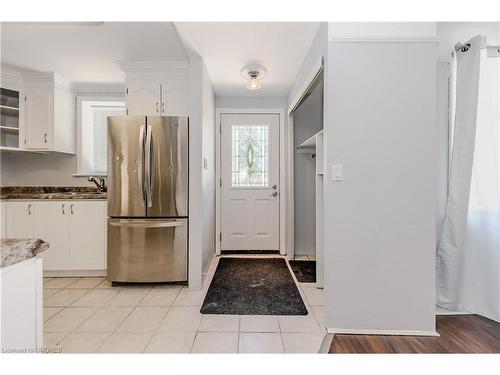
(13, 251)
(51, 192)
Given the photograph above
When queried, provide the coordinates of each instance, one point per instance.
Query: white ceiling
(87, 52)
(228, 46)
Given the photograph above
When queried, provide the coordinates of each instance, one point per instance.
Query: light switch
(338, 172)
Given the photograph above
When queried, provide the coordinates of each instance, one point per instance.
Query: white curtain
(468, 258)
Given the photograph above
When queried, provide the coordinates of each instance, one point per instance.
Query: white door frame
(282, 175)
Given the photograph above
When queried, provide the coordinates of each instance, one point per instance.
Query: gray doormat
(253, 286)
(304, 270)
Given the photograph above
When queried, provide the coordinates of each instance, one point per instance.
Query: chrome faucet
(99, 182)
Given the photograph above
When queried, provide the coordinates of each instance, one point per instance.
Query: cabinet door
(20, 220)
(175, 99)
(38, 116)
(22, 305)
(88, 235)
(64, 122)
(52, 225)
(143, 99)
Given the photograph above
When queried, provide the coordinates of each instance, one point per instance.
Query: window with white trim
(93, 140)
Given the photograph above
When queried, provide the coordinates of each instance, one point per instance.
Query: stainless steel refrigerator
(147, 198)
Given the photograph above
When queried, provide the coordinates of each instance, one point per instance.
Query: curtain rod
(464, 47)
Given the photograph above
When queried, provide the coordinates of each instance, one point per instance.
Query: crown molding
(384, 40)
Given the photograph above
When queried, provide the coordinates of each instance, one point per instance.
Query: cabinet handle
(156, 107)
(29, 209)
(45, 137)
(163, 107)
(62, 208)
(71, 208)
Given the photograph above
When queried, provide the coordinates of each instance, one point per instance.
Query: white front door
(250, 182)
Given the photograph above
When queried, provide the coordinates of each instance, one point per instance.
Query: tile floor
(86, 315)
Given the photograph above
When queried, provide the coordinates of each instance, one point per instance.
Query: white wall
(307, 121)
(379, 234)
(381, 30)
(201, 182)
(195, 173)
(31, 169)
(235, 102)
(317, 50)
(208, 177)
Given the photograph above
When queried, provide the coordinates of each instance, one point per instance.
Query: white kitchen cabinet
(20, 220)
(74, 229)
(51, 224)
(157, 88)
(21, 307)
(11, 110)
(50, 106)
(38, 105)
(175, 99)
(144, 99)
(87, 235)
(41, 115)
(157, 99)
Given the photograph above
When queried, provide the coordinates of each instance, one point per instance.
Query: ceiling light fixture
(254, 74)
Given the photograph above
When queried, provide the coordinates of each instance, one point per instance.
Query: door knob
(275, 187)
(274, 194)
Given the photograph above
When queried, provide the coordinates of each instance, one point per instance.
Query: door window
(250, 156)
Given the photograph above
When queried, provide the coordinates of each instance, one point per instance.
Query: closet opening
(307, 129)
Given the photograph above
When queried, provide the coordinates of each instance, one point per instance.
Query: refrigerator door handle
(140, 172)
(149, 144)
(145, 223)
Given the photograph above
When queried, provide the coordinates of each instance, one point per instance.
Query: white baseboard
(396, 332)
(326, 343)
(75, 273)
(443, 311)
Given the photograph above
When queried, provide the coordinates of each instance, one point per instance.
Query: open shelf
(309, 145)
(9, 129)
(9, 111)
(10, 149)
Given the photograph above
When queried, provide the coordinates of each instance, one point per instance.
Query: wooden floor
(458, 334)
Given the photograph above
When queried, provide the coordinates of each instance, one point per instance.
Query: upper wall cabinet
(38, 106)
(37, 112)
(157, 88)
(144, 98)
(175, 98)
(50, 113)
(11, 110)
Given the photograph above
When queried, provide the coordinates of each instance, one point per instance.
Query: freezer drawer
(147, 250)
